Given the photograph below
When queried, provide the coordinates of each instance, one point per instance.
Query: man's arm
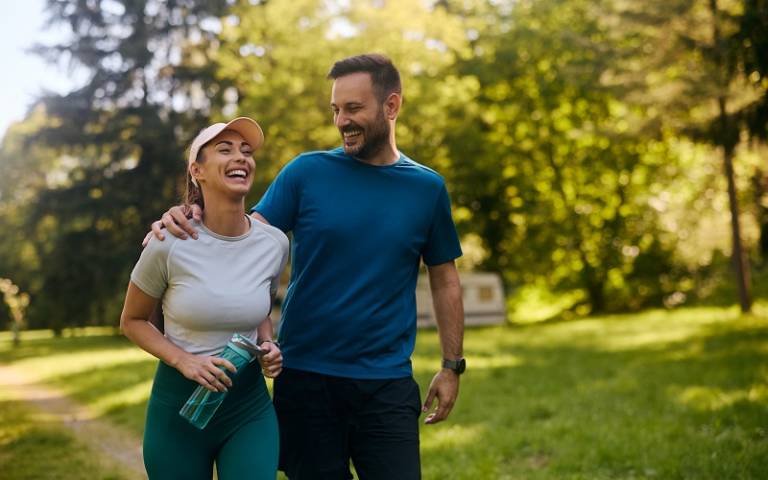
(449, 315)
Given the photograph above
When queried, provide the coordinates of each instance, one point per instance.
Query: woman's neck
(226, 217)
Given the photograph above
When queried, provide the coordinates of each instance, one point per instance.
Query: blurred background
(607, 161)
(601, 155)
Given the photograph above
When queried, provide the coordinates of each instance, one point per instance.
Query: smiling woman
(221, 284)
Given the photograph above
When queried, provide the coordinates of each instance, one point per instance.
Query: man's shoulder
(421, 171)
(307, 163)
(317, 155)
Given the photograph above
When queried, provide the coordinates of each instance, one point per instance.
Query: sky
(26, 75)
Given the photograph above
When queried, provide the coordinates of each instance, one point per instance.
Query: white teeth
(237, 173)
(352, 133)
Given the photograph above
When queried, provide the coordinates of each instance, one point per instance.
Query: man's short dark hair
(384, 74)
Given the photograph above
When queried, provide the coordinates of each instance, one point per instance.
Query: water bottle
(203, 403)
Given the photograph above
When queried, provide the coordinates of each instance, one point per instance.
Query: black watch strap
(458, 366)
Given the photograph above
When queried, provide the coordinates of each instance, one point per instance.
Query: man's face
(359, 116)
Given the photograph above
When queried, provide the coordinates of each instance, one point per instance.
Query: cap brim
(249, 129)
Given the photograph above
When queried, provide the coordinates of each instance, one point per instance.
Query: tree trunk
(739, 257)
(727, 136)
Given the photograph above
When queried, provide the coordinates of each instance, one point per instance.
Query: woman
(211, 287)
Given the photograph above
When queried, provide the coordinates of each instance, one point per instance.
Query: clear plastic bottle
(203, 403)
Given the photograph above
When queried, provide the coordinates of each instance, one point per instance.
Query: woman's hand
(205, 370)
(272, 361)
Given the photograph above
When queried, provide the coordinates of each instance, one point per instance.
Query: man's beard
(376, 138)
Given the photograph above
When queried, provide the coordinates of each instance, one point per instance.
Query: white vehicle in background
(483, 294)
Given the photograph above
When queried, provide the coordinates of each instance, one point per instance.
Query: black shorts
(326, 421)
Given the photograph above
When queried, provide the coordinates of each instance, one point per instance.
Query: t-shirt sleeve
(280, 203)
(151, 271)
(443, 242)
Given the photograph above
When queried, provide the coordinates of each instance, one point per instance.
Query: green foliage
(559, 125)
(554, 139)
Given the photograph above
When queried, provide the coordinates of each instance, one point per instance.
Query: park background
(607, 158)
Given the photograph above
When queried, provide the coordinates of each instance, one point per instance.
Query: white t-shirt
(214, 286)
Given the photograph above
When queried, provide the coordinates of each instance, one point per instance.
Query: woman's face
(227, 165)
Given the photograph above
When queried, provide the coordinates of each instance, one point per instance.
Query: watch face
(461, 366)
(457, 366)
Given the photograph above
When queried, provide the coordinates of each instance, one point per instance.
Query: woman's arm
(135, 324)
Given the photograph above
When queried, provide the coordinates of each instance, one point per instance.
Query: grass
(657, 395)
(31, 448)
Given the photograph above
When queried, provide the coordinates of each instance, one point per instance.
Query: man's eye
(247, 152)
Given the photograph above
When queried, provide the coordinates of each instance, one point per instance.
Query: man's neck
(388, 155)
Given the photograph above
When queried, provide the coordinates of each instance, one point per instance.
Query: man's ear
(392, 106)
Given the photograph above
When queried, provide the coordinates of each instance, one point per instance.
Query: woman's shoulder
(156, 246)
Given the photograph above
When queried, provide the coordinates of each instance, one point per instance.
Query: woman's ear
(195, 172)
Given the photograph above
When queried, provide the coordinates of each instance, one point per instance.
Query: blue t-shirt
(359, 234)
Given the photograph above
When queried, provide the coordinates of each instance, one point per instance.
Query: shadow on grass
(36, 348)
(106, 380)
(125, 386)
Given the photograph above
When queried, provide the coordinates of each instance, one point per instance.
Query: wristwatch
(458, 366)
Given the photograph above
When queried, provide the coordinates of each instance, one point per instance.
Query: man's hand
(445, 388)
(205, 370)
(176, 220)
(272, 361)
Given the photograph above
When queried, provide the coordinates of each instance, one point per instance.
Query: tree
(556, 164)
(149, 88)
(699, 44)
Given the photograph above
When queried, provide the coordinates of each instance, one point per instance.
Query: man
(363, 217)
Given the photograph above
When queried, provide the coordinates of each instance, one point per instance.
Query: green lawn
(658, 395)
(33, 448)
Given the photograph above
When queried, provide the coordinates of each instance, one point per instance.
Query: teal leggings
(242, 437)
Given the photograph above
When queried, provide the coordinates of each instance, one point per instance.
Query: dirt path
(119, 446)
